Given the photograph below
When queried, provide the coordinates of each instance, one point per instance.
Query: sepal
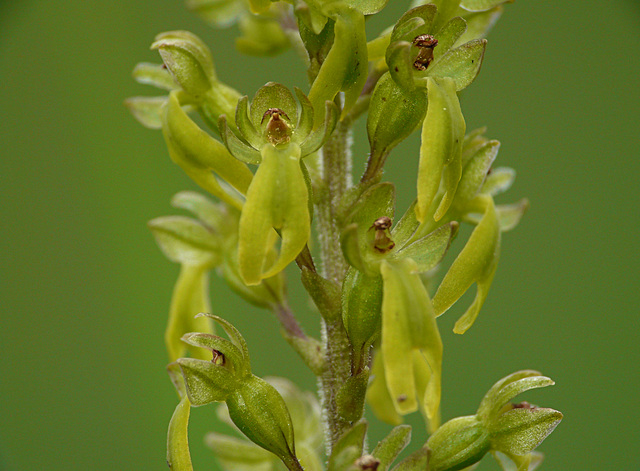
(154, 74)
(461, 64)
(188, 60)
(147, 110)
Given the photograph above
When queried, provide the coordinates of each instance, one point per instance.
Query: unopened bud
(459, 443)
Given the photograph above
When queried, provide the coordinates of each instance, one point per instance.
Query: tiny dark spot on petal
(402, 398)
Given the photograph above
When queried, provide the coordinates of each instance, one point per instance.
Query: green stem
(336, 160)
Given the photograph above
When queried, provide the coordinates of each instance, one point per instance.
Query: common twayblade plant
(274, 166)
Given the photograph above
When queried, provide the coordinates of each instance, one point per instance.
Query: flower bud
(457, 444)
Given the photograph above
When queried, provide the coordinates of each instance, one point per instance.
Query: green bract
(277, 138)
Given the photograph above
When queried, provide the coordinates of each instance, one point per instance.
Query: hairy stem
(336, 168)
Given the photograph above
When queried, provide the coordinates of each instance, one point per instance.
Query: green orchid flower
(276, 137)
(426, 68)
(384, 297)
(509, 431)
(255, 406)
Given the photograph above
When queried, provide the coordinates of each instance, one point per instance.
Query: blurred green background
(85, 291)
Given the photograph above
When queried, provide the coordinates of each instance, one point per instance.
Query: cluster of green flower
(407, 78)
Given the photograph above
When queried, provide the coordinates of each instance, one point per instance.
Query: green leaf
(346, 65)
(178, 456)
(390, 447)
(394, 114)
(459, 443)
(207, 382)
(259, 411)
(462, 64)
(154, 74)
(277, 198)
(441, 148)
(190, 296)
(481, 5)
(476, 263)
(429, 250)
(185, 240)
(520, 430)
(147, 110)
(361, 308)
